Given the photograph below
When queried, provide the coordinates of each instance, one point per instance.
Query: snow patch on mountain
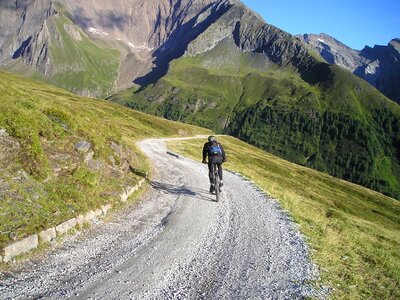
(97, 31)
(140, 47)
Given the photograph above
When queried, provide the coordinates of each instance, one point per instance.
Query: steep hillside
(250, 79)
(380, 65)
(62, 155)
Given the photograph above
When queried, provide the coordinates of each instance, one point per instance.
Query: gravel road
(177, 243)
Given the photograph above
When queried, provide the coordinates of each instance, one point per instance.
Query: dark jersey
(206, 150)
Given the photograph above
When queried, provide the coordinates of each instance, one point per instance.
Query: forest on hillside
(329, 142)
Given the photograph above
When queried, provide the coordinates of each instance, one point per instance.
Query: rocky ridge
(379, 65)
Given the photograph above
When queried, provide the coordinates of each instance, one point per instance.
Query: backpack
(214, 149)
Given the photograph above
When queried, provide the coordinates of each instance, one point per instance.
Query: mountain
(246, 78)
(380, 65)
(96, 47)
(213, 63)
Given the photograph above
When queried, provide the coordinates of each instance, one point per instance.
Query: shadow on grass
(182, 190)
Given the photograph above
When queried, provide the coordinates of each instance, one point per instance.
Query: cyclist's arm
(205, 150)
(223, 152)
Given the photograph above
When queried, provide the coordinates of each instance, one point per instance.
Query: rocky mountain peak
(395, 44)
(333, 51)
(379, 65)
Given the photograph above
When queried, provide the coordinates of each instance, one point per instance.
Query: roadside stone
(66, 226)
(90, 216)
(13, 236)
(98, 213)
(82, 146)
(3, 132)
(23, 246)
(46, 236)
(106, 208)
(123, 197)
(80, 220)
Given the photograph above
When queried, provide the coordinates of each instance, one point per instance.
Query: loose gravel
(177, 243)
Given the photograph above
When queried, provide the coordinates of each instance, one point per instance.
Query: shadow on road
(171, 189)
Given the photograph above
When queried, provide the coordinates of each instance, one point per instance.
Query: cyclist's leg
(219, 171)
(210, 171)
(211, 175)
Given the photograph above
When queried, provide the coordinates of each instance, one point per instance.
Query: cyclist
(216, 156)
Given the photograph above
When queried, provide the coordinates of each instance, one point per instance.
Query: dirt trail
(177, 243)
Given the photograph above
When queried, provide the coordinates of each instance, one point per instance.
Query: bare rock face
(333, 51)
(23, 26)
(144, 25)
(380, 65)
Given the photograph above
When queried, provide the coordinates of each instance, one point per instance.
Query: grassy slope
(202, 95)
(82, 64)
(211, 91)
(353, 230)
(76, 62)
(48, 121)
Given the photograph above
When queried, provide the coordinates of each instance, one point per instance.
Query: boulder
(90, 216)
(82, 146)
(106, 208)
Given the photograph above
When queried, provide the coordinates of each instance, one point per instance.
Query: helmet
(211, 138)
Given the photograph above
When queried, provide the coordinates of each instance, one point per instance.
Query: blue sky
(356, 23)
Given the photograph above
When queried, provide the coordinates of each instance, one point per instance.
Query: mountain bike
(216, 182)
